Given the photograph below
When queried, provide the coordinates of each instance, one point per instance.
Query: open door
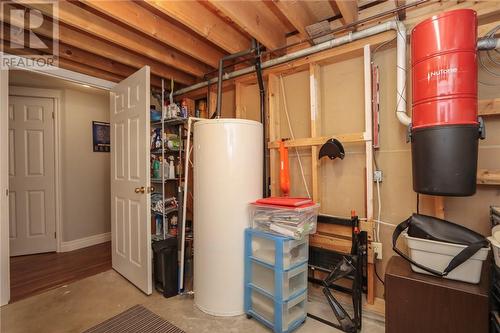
(130, 198)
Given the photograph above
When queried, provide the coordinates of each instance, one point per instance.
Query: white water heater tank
(227, 177)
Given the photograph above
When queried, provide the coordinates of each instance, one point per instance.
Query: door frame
(63, 74)
(56, 96)
(4, 183)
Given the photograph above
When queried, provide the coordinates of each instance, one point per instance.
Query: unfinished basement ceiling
(183, 40)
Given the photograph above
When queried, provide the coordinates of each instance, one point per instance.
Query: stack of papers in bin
(292, 217)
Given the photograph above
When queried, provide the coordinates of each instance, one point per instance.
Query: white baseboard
(85, 242)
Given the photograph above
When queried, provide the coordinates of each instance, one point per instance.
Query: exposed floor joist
(201, 20)
(77, 17)
(297, 13)
(348, 9)
(70, 56)
(67, 64)
(141, 19)
(256, 19)
(84, 41)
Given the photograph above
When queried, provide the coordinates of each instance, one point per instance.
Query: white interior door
(130, 200)
(32, 218)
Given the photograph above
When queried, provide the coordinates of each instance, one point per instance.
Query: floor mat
(137, 319)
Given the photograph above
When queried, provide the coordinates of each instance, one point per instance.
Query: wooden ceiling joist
(256, 19)
(297, 13)
(348, 9)
(201, 20)
(141, 19)
(70, 57)
(67, 64)
(82, 19)
(75, 55)
(83, 41)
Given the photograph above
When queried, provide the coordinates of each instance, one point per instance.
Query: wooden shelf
(318, 141)
(488, 177)
(489, 107)
(166, 150)
(156, 180)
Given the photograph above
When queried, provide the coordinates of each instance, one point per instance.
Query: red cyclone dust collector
(445, 127)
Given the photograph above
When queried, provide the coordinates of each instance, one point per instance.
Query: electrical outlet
(377, 249)
(378, 176)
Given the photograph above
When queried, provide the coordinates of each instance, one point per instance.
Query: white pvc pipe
(184, 200)
(352, 36)
(401, 73)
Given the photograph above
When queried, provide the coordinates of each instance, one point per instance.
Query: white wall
(85, 174)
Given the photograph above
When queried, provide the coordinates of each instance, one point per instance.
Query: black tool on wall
(333, 149)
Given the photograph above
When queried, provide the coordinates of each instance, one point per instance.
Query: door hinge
(7, 192)
(53, 115)
(55, 234)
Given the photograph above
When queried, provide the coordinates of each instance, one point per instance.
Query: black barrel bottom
(444, 160)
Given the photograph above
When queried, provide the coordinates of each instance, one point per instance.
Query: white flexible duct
(401, 73)
(352, 36)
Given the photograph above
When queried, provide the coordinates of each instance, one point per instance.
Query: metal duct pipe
(218, 109)
(352, 36)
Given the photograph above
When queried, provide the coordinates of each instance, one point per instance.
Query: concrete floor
(85, 303)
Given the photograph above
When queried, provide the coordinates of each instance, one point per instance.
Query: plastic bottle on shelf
(184, 108)
(156, 169)
(172, 229)
(166, 169)
(171, 169)
(159, 225)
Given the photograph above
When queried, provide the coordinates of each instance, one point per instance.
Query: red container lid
(285, 201)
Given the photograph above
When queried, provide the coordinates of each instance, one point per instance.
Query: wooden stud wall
(330, 237)
(273, 91)
(314, 90)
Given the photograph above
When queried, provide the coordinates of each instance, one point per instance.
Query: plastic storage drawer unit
(275, 295)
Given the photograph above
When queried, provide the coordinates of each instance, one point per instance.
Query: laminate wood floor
(34, 274)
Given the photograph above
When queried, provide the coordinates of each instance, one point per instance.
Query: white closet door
(130, 200)
(32, 218)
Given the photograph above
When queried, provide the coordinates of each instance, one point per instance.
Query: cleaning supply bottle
(159, 225)
(172, 230)
(165, 169)
(184, 108)
(156, 169)
(171, 169)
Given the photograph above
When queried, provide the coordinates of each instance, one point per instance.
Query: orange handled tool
(284, 170)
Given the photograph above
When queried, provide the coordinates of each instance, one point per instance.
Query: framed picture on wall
(100, 137)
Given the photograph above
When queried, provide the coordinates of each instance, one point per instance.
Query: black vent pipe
(262, 94)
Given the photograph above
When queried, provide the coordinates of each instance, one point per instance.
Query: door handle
(141, 189)
(151, 189)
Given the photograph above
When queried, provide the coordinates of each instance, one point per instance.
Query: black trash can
(165, 266)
